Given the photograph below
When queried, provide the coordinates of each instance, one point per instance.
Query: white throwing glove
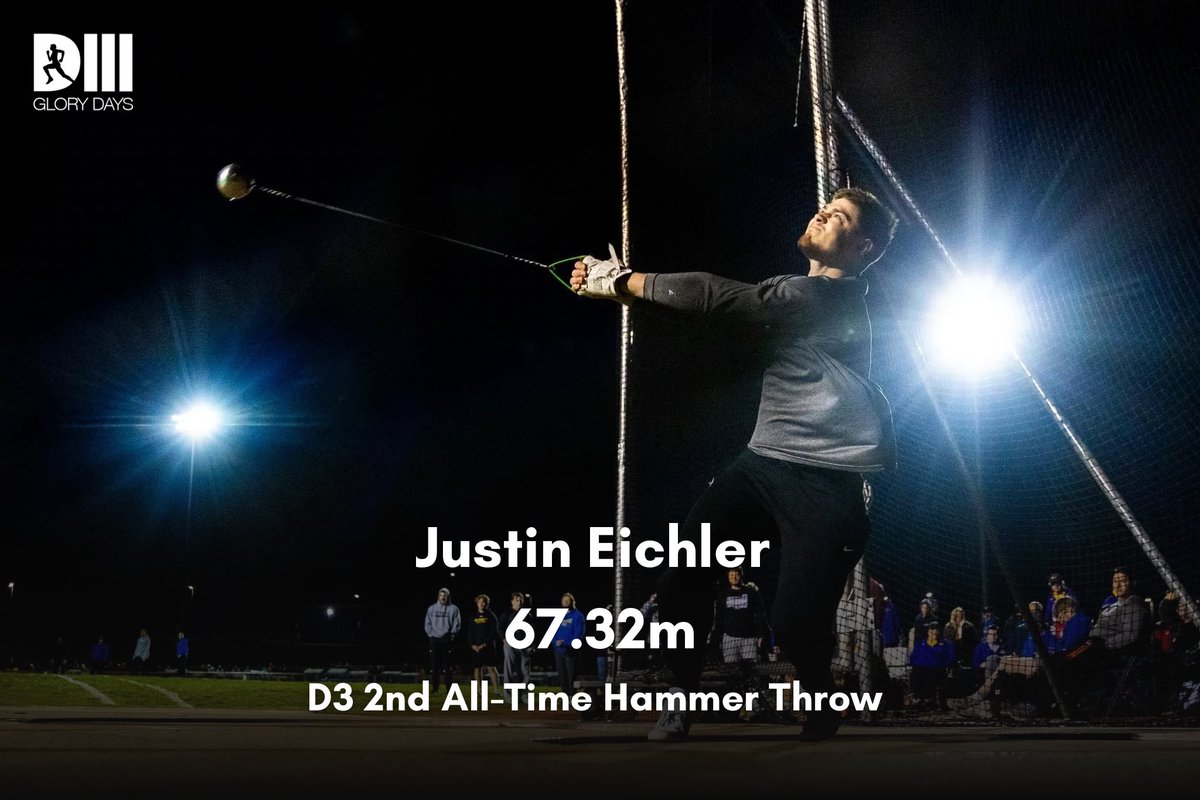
(602, 275)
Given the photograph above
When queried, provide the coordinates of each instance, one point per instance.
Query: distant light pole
(198, 423)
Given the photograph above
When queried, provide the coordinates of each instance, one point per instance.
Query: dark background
(382, 382)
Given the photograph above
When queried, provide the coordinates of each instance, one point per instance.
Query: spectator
(1174, 631)
(650, 608)
(891, 631)
(1069, 629)
(1058, 590)
(1121, 632)
(931, 658)
(442, 624)
(181, 655)
(141, 652)
(516, 660)
(740, 620)
(925, 618)
(1122, 623)
(567, 642)
(482, 632)
(933, 604)
(98, 656)
(960, 632)
(988, 619)
(988, 652)
(879, 601)
(1018, 640)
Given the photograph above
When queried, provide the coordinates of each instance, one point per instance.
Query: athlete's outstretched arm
(776, 300)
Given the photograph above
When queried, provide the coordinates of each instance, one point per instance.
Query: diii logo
(105, 65)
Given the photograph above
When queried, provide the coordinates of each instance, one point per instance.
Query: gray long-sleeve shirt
(818, 405)
(1122, 623)
(441, 620)
(142, 648)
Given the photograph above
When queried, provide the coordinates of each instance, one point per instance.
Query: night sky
(382, 382)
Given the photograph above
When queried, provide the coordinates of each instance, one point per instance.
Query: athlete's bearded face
(833, 236)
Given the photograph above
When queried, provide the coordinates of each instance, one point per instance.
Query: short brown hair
(877, 221)
(1064, 603)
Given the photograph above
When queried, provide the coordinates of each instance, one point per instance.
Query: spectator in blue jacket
(988, 653)
(891, 630)
(98, 657)
(1017, 637)
(931, 658)
(1069, 629)
(567, 643)
(181, 655)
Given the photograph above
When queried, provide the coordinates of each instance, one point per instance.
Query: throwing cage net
(1045, 147)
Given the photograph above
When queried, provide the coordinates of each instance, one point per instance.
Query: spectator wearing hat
(926, 616)
(1058, 590)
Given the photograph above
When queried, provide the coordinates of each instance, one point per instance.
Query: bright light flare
(199, 422)
(973, 327)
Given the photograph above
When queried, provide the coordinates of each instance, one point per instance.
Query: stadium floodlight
(199, 422)
(972, 327)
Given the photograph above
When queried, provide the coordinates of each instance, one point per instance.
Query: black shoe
(820, 725)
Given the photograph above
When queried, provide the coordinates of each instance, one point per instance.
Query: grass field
(134, 691)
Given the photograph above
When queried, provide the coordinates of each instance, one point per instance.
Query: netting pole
(833, 177)
(626, 330)
(1114, 497)
(856, 636)
(816, 90)
(1124, 513)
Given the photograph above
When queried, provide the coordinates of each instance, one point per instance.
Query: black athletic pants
(439, 660)
(817, 524)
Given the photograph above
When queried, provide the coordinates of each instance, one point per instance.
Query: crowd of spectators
(1130, 654)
